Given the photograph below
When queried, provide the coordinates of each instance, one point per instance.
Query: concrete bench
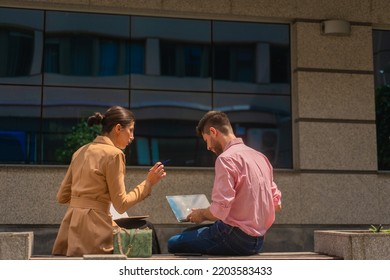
(16, 245)
(260, 256)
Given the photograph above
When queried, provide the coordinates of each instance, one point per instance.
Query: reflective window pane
(20, 113)
(264, 123)
(251, 57)
(87, 50)
(169, 71)
(165, 127)
(65, 108)
(381, 48)
(21, 45)
(177, 53)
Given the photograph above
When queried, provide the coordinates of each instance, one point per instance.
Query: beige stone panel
(341, 199)
(337, 146)
(47, 4)
(351, 10)
(276, 9)
(29, 195)
(315, 50)
(335, 96)
(380, 11)
(288, 183)
(135, 4)
(199, 6)
(383, 199)
(101, 6)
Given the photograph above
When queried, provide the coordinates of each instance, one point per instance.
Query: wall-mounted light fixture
(336, 27)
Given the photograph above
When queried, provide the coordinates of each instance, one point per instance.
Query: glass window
(20, 111)
(177, 53)
(169, 71)
(65, 108)
(381, 48)
(262, 121)
(87, 50)
(165, 127)
(251, 57)
(21, 45)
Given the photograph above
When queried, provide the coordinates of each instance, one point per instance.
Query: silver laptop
(182, 205)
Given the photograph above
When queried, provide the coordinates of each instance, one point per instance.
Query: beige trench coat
(94, 180)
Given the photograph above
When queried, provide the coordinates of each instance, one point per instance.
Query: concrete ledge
(353, 245)
(16, 245)
(260, 256)
(104, 257)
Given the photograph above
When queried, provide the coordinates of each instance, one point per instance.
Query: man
(244, 196)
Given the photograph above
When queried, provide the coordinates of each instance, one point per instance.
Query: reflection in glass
(264, 123)
(87, 50)
(21, 43)
(251, 57)
(19, 123)
(165, 127)
(169, 71)
(177, 53)
(381, 56)
(63, 108)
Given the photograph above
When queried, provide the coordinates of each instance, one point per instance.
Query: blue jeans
(215, 239)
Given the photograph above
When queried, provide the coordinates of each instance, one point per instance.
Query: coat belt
(82, 202)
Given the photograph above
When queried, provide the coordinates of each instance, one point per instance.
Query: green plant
(378, 229)
(80, 135)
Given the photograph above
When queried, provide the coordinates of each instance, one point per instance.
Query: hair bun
(96, 118)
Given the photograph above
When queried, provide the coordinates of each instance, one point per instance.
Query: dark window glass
(87, 50)
(381, 48)
(168, 71)
(263, 121)
(20, 111)
(21, 41)
(177, 53)
(235, 63)
(251, 57)
(137, 57)
(65, 108)
(184, 60)
(165, 127)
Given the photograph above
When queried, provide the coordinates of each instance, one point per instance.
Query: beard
(216, 147)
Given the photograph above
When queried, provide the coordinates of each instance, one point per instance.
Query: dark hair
(216, 119)
(113, 116)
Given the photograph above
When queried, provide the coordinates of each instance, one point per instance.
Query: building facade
(298, 79)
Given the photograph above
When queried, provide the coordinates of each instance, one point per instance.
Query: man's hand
(198, 216)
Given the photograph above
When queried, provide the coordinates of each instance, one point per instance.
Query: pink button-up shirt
(244, 193)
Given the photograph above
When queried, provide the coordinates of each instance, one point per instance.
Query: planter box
(353, 244)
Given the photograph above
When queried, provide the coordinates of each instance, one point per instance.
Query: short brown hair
(216, 119)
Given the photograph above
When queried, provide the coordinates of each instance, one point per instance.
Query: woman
(94, 180)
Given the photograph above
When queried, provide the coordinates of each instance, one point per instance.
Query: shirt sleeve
(276, 193)
(115, 176)
(223, 193)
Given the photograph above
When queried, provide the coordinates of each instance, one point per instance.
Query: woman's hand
(156, 173)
